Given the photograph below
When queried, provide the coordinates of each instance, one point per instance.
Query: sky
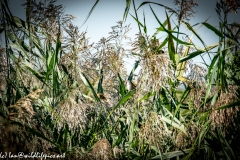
(108, 12)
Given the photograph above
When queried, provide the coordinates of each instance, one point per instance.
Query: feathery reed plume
(185, 9)
(102, 150)
(227, 6)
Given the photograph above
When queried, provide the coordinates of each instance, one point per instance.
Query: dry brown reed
(155, 66)
(184, 141)
(102, 150)
(225, 118)
(228, 6)
(22, 110)
(154, 133)
(185, 9)
(3, 70)
(15, 138)
(72, 112)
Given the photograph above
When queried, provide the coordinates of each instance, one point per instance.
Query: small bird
(101, 96)
(130, 85)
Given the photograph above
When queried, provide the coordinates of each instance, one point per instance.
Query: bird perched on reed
(130, 85)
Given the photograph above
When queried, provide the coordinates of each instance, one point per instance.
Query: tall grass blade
(87, 83)
(160, 29)
(146, 2)
(121, 86)
(174, 124)
(132, 127)
(147, 96)
(130, 77)
(123, 100)
(237, 103)
(171, 47)
(212, 28)
(89, 14)
(128, 3)
(173, 154)
(198, 52)
(164, 99)
(169, 32)
(139, 23)
(181, 66)
(100, 88)
(145, 26)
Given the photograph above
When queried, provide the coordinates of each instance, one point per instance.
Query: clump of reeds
(72, 112)
(155, 65)
(154, 133)
(22, 110)
(184, 141)
(225, 118)
(15, 134)
(101, 150)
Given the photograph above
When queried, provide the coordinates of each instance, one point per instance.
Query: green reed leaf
(87, 83)
(212, 28)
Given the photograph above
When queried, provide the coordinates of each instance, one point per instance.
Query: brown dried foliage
(225, 118)
(72, 112)
(3, 69)
(154, 133)
(15, 138)
(184, 141)
(22, 110)
(102, 150)
(155, 65)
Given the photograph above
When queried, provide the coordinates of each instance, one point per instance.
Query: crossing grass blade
(169, 32)
(139, 23)
(122, 101)
(174, 124)
(87, 83)
(147, 96)
(198, 52)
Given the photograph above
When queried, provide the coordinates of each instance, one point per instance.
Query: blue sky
(108, 12)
